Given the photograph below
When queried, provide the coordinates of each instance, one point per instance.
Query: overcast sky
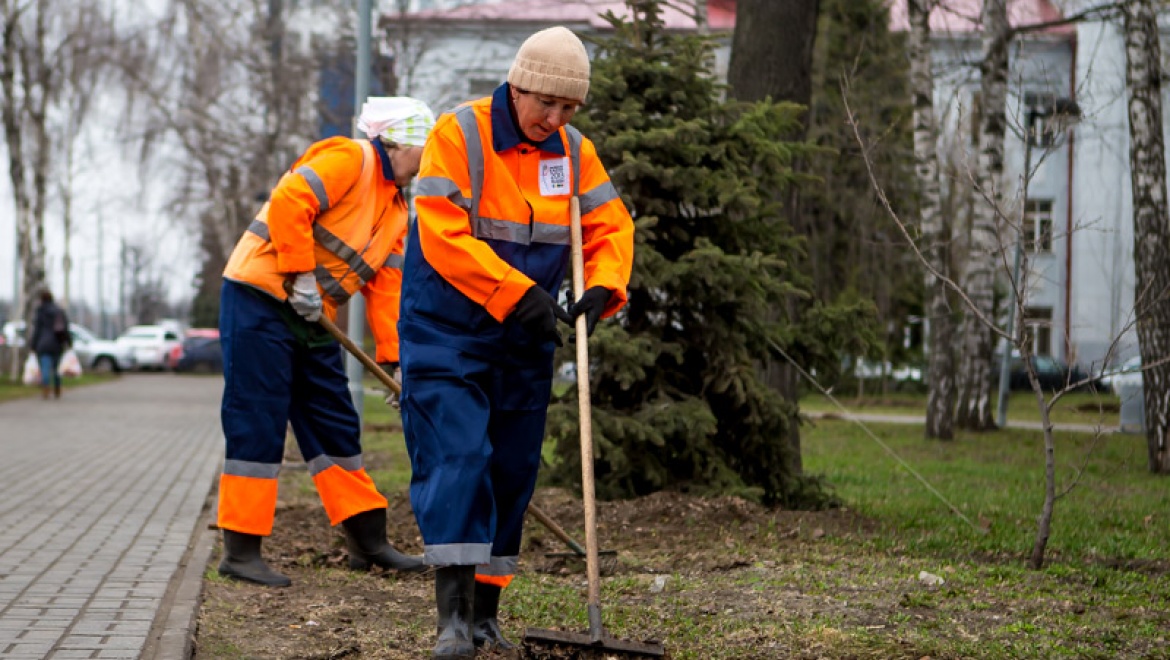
(110, 192)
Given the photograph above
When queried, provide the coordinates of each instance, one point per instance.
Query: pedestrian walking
(49, 340)
(333, 226)
(484, 266)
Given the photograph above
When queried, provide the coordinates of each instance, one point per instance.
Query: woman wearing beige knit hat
(479, 317)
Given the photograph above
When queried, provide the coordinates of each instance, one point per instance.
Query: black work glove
(538, 312)
(591, 304)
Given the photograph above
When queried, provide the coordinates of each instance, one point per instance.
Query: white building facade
(450, 55)
(1076, 215)
(1103, 282)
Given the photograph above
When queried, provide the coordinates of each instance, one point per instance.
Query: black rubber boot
(486, 626)
(454, 595)
(365, 536)
(242, 561)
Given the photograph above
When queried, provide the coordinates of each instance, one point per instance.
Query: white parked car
(869, 369)
(1127, 376)
(151, 344)
(99, 355)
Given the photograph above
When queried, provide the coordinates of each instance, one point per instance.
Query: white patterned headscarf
(398, 119)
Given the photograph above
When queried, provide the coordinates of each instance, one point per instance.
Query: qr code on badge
(554, 179)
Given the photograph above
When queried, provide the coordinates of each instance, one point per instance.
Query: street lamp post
(357, 304)
(1066, 114)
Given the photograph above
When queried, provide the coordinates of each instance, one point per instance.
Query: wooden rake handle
(585, 423)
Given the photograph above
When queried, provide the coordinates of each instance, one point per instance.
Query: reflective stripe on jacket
(493, 218)
(339, 214)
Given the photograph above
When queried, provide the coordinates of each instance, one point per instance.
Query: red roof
(720, 13)
(964, 15)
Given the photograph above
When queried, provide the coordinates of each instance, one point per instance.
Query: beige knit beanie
(553, 62)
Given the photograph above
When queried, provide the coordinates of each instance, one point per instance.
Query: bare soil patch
(332, 612)
(710, 578)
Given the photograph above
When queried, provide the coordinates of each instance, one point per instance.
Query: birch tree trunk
(26, 80)
(42, 42)
(940, 368)
(80, 78)
(974, 405)
(1151, 233)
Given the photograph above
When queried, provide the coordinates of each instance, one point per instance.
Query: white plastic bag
(32, 371)
(70, 366)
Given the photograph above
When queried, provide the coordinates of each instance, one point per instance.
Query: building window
(481, 87)
(1038, 324)
(1038, 108)
(1038, 225)
(1043, 134)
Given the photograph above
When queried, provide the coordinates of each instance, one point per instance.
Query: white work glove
(305, 298)
(391, 368)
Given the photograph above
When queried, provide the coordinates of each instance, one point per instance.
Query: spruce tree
(678, 400)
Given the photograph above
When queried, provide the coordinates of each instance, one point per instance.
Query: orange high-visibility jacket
(338, 213)
(493, 219)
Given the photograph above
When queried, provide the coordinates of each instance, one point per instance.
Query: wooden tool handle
(556, 529)
(585, 422)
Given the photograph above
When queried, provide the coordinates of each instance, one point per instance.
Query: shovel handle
(353, 349)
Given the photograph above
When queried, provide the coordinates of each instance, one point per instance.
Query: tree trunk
(24, 75)
(771, 51)
(65, 190)
(771, 56)
(940, 368)
(974, 405)
(10, 113)
(1151, 233)
(1044, 521)
(45, 50)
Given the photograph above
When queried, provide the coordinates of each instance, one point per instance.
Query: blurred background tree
(854, 250)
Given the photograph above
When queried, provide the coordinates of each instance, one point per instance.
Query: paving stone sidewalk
(103, 498)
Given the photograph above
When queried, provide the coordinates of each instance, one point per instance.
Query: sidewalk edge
(173, 633)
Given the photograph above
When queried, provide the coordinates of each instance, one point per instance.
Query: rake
(597, 638)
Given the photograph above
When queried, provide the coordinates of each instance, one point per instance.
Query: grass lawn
(1106, 554)
(1114, 510)
(1073, 408)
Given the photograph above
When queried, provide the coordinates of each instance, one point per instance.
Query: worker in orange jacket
(484, 265)
(333, 226)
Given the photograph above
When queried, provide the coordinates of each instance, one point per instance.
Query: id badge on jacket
(554, 177)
